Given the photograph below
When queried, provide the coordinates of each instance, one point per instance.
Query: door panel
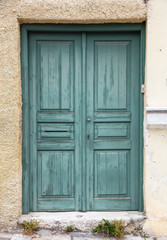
(111, 173)
(111, 130)
(55, 131)
(110, 74)
(112, 107)
(57, 70)
(55, 93)
(56, 174)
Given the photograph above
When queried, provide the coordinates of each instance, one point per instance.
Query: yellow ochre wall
(15, 12)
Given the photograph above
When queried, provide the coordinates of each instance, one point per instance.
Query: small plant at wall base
(30, 227)
(69, 228)
(145, 236)
(114, 229)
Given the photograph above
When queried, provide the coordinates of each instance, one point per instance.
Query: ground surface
(51, 235)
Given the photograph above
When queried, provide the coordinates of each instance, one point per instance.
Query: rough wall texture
(10, 115)
(84, 11)
(156, 54)
(15, 12)
(156, 183)
(12, 14)
(155, 187)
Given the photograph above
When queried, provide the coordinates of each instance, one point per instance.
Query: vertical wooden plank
(65, 173)
(112, 169)
(123, 167)
(134, 126)
(33, 130)
(44, 77)
(101, 173)
(52, 86)
(90, 124)
(67, 76)
(115, 86)
(109, 174)
(142, 78)
(83, 123)
(122, 75)
(59, 161)
(78, 127)
(25, 121)
(47, 176)
(100, 68)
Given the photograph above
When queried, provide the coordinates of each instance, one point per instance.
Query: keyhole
(88, 136)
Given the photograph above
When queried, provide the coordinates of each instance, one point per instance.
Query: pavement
(44, 234)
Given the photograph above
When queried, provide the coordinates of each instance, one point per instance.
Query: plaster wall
(12, 14)
(15, 12)
(155, 171)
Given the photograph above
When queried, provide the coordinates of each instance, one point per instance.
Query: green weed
(144, 236)
(69, 228)
(114, 229)
(30, 227)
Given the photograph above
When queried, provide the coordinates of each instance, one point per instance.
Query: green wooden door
(112, 121)
(55, 116)
(84, 121)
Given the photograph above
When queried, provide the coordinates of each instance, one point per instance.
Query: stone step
(82, 221)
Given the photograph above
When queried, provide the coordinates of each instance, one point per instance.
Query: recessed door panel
(110, 74)
(56, 174)
(57, 74)
(111, 173)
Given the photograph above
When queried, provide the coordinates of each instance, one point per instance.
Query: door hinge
(142, 88)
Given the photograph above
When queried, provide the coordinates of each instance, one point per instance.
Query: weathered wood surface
(84, 121)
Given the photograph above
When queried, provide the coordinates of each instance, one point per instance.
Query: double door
(84, 121)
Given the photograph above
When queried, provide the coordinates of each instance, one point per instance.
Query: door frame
(25, 30)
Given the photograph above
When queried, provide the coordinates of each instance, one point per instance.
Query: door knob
(88, 119)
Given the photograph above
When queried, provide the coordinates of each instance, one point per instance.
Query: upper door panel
(110, 74)
(57, 75)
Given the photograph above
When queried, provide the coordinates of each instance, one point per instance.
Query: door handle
(88, 120)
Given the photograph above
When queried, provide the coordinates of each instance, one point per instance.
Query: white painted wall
(155, 172)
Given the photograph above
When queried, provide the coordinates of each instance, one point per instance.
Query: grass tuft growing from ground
(30, 227)
(114, 229)
(69, 228)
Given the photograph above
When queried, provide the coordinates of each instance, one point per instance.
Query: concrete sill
(156, 117)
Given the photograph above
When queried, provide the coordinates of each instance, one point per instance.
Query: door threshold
(81, 221)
